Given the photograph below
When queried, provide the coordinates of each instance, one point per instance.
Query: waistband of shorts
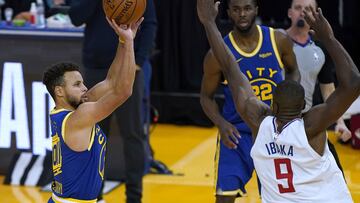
(57, 199)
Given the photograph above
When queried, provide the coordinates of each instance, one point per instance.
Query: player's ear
(59, 91)
(289, 13)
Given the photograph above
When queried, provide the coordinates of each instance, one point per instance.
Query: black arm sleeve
(145, 39)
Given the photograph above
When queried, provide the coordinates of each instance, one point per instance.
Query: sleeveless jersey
(77, 175)
(290, 170)
(263, 68)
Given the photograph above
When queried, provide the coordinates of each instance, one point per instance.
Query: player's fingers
(314, 13)
(320, 13)
(228, 143)
(138, 23)
(110, 22)
(217, 6)
(234, 139)
(226, 140)
(307, 17)
(115, 25)
(236, 132)
(345, 136)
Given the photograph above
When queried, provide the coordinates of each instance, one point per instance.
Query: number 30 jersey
(77, 175)
(290, 170)
(263, 67)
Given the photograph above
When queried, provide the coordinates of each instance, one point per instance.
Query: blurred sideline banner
(24, 101)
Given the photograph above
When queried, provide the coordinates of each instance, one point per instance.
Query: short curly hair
(228, 2)
(54, 76)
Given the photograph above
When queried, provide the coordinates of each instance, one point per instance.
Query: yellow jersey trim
(232, 193)
(276, 50)
(57, 199)
(101, 173)
(217, 155)
(55, 111)
(64, 126)
(92, 138)
(243, 53)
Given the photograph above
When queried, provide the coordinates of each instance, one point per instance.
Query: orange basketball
(124, 11)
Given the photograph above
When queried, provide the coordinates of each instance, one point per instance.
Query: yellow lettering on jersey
(57, 187)
(260, 70)
(272, 72)
(265, 55)
(102, 161)
(56, 155)
(249, 74)
(101, 138)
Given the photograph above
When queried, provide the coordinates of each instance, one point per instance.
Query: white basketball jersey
(290, 170)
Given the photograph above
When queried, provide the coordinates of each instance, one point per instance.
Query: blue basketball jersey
(263, 68)
(77, 175)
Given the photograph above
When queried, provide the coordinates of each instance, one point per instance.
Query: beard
(245, 30)
(300, 23)
(74, 102)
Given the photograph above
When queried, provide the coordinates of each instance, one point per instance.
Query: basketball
(124, 11)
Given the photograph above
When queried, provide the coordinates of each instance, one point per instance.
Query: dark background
(182, 44)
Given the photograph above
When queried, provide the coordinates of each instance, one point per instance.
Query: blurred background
(29, 44)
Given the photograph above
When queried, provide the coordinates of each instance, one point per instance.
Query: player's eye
(298, 8)
(247, 8)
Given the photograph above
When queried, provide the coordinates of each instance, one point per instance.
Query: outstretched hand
(207, 10)
(344, 134)
(321, 28)
(125, 32)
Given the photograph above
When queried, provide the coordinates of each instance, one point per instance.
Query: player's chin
(243, 28)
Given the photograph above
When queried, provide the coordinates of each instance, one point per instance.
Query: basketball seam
(112, 15)
(142, 13)
(133, 11)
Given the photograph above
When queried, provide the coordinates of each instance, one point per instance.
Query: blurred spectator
(21, 8)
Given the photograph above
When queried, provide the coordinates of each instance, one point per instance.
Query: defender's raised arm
(322, 116)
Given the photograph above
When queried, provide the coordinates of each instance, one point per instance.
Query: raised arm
(102, 88)
(120, 80)
(322, 116)
(248, 106)
(288, 58)
(327, 87)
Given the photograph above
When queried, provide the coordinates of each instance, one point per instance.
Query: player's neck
(284, 118)
(63, 105)
(300, 35)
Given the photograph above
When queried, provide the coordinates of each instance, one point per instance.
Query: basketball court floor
(189, 152)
